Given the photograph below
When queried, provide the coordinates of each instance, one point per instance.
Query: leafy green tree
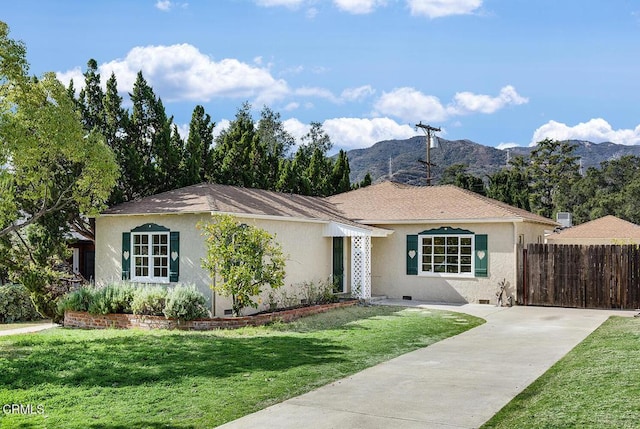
(277, 143)
(198, 163)
(47, 161)
(245, 258)
(116, 124)
(611, 189)
(552, 169)
(340, 181)
(457, 175)
(366, 181)
(511, 185)
(232, 152)
(50, 168)
(90, 99)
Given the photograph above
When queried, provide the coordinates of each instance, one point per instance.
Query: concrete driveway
(460, 382)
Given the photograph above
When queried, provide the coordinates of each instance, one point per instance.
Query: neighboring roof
(607, 227)
(211, 197)
(388, 202)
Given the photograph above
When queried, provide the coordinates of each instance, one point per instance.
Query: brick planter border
(84, 320)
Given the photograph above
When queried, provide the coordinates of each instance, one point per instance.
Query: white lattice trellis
(361, 266)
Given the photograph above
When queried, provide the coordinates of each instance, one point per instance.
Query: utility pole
(428, 129)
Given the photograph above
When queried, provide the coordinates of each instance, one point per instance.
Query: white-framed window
(150, 256)
(446, 255)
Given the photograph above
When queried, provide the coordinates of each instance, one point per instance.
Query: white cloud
(221, 125)
(182, 72)
(75, 75)
(164, 5)
(307, 91)
(349, 94)
(412, 105)
(468, 102)
(286, 3)
(595, 130)
(296, 128)
(441, 8)
(503, 146)
(357, 94)
(358, 7)
(167, 5)
(355, 133)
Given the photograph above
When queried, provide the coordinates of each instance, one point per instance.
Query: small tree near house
(242, 258)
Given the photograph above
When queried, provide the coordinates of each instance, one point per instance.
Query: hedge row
(16, 304)
(183, 302)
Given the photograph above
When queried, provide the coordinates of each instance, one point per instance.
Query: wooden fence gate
(603, 276)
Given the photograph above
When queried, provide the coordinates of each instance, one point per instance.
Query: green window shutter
(126, 255)
(174, 256)
(412, 255)
(482, 256)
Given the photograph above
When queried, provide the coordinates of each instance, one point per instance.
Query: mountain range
(401, 159)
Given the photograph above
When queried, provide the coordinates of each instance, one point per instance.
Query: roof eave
(451, 221)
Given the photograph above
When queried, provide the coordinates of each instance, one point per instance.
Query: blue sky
(498, 72)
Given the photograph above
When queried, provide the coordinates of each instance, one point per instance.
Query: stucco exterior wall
(308, 252)
(389, 264)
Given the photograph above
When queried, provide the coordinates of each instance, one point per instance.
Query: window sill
(447, 276)
(150, 280)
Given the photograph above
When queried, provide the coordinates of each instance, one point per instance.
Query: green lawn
(168, 379)
(597, 385)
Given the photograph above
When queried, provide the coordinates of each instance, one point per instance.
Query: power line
(428, 129)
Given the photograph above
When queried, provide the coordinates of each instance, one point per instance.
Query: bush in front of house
(16, 304)
(179, 302)
(185, 303)
(149, 300)
(78, 300)
(113, 298)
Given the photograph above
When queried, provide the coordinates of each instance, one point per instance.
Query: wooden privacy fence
(602, 276)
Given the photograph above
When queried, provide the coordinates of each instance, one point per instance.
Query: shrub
(149, 300)
(78, 300)
(16, 304)
(114, 298)
(185, 303)
(318, 293)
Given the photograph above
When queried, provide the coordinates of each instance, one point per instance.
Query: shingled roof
(607, 228)
(389, 202)
(211, 197)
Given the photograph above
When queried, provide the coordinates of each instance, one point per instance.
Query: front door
(338, 264)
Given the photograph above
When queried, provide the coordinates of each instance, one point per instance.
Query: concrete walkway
(460, 382)
(28, 329)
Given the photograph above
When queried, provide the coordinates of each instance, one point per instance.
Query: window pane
(426, 267)
(438, 241)
(439, 269)
(452, 250)
(452, 260)
(465, 269)
(452, 241)
(465, 241)
(451, 269)
(465, 250)
(466, 260)
(426, 241)
(438, 250)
